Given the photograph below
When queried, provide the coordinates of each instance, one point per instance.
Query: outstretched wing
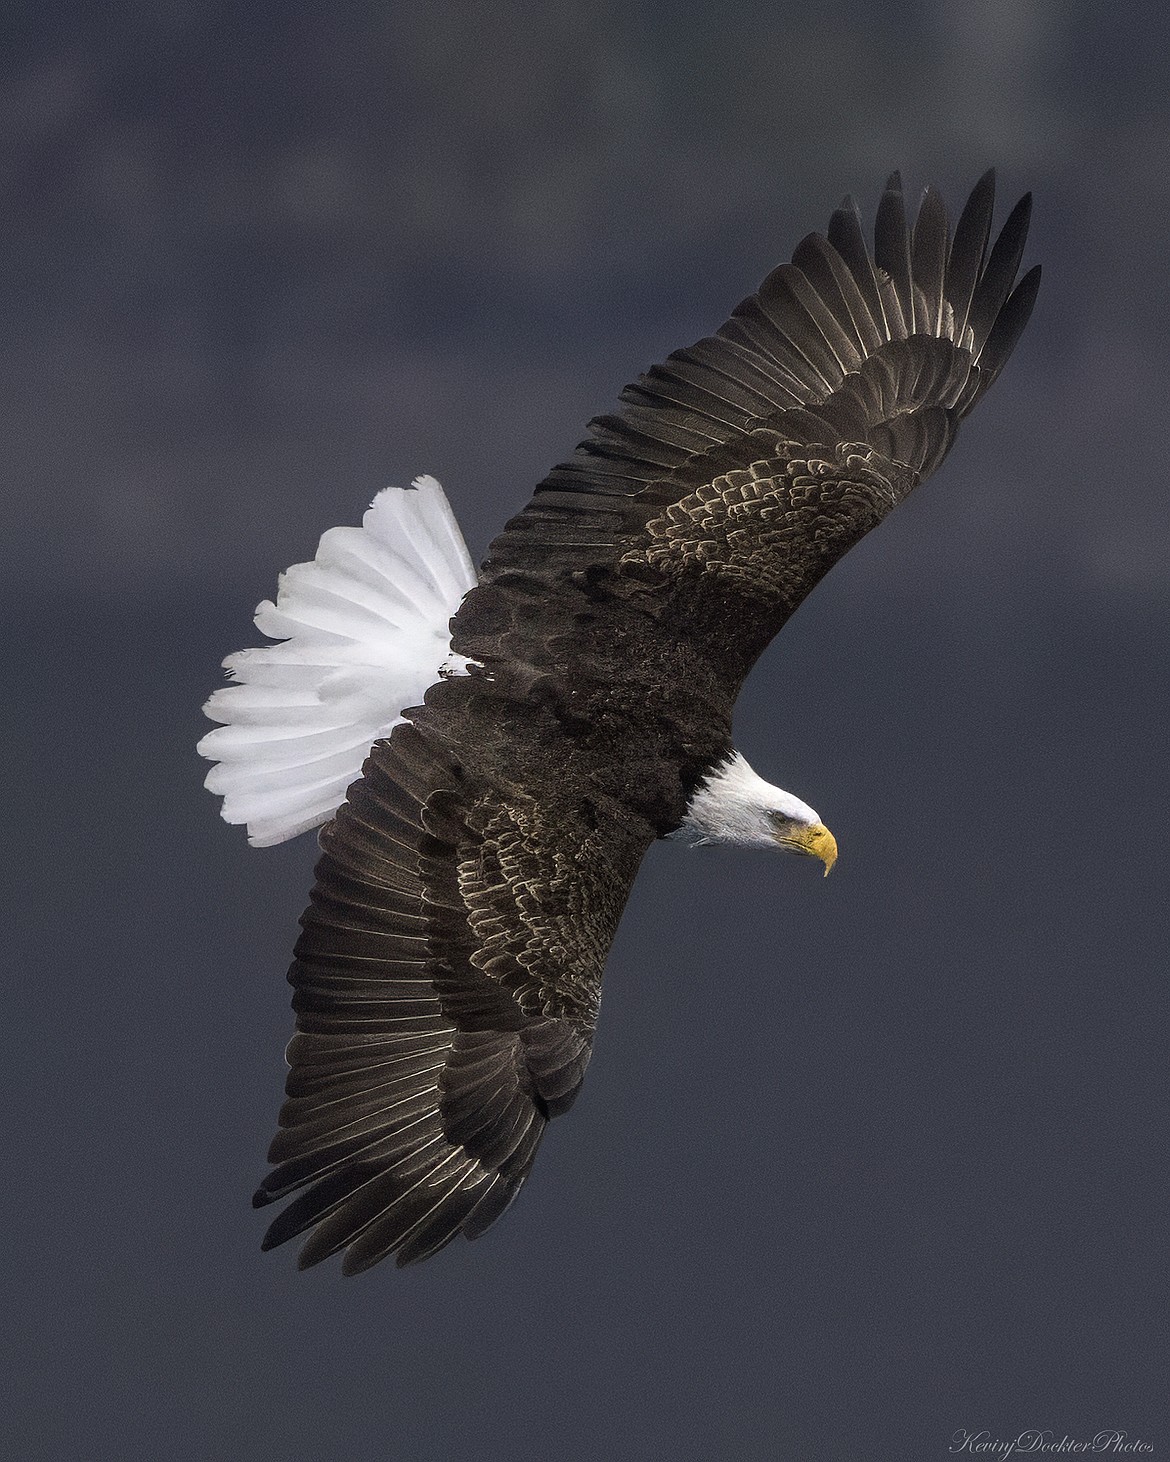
(447, 985)
(741, 469)
(449, 972)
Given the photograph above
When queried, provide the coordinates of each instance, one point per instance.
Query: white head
(734, 805)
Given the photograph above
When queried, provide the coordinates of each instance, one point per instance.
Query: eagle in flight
(491, 756)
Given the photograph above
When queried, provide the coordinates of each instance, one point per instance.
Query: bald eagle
(492, 756)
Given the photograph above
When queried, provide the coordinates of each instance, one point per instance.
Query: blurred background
(860, 1166)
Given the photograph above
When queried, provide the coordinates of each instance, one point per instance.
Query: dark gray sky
(859, 1164)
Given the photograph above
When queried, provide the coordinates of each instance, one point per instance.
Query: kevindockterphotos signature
(1046, 1443)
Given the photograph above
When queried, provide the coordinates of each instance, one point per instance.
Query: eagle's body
(449, 973)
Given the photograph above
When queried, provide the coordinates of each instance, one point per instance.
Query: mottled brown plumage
(449, 973)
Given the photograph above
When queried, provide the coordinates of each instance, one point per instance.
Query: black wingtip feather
(998, 277)
(846, 237)
(969, 250)
(891, 252)
(930, 245)
(1009, 323)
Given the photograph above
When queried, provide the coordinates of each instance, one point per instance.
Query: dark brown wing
(449, 972)
(741, 469)
(447, 985)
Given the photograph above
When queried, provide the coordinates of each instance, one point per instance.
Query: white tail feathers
(364, 632)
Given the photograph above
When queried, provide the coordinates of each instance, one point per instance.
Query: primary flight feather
(576, 704)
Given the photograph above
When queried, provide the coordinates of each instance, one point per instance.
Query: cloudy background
(859, 1164)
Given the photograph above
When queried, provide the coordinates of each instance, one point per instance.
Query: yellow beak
(814, 839)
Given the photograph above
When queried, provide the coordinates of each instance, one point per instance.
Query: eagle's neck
(732, 804)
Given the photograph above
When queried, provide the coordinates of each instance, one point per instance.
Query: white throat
(733, 804)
